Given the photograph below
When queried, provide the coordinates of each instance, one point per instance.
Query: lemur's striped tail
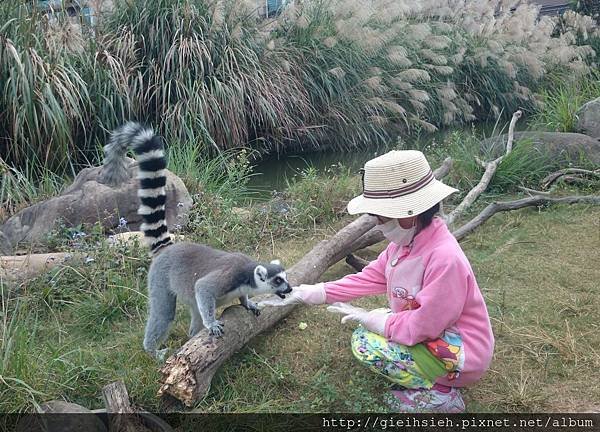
(150, 155)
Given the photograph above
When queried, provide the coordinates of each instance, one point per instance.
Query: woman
(437, 336)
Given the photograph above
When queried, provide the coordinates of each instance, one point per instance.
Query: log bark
(187, 374)
(121, 415)
(356, 262)
(27, 266)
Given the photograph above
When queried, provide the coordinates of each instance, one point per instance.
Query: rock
(563, 147)
(62, 407)
(58, 417)
(589, 118)
(88, 201)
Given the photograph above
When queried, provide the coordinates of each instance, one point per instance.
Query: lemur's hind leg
(249, 305)
(196, 323)
(162, 303)
(207, 306)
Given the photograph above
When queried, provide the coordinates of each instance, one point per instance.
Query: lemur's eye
(278, 280)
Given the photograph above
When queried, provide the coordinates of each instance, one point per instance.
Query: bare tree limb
(443, 170)
(511, 131)
(551, 178)
(356, 262)
(532, 192)
(121, 416)
(537, 200)
(490, 169)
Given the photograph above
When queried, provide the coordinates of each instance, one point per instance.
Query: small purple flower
(122, 222)
(78, 234)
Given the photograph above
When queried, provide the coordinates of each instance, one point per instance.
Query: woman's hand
(372, 320)
(303, 294)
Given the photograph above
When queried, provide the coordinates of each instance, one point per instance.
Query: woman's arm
(370, 281)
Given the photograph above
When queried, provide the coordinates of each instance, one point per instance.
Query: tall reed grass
(341, 73)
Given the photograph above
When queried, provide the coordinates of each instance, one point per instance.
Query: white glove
(372, 320)
(303, 294)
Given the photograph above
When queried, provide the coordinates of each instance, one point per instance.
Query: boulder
(88, 201)
(563, 147)
(589, 118)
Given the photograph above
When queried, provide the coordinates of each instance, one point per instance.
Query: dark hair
(425, 218)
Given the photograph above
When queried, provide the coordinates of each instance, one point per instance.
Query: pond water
(273, 173)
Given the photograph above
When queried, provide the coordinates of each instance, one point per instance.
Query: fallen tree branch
(536, 200)
(565, 173)
(486, 178)
(443, 170)
(187, 374)
(532, 192)
(121, 415)
(27, 266)
(356, 262)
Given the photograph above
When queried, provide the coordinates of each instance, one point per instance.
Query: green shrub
(562, 102)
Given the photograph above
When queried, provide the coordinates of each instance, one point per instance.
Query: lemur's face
(280, 284)
(271, 278)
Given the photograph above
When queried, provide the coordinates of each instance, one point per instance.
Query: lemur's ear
(261, 273)
(276, 262)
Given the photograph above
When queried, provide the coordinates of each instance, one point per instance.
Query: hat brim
(405, 206)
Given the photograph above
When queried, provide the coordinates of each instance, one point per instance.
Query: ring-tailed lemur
(202, 277)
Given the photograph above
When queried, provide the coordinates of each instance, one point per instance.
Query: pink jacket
(430, 288)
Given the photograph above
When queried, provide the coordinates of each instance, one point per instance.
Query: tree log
(357, 263)
(27, 266)
(187, 374)
(121, 415)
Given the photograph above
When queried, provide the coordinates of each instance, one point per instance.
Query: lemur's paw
(253, 307)
(216, 329)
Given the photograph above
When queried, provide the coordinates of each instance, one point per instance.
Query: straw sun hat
(399, 184)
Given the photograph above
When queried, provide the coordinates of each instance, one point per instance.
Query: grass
(70, 331)
(562, 101)
(211, 75)
(20, 188)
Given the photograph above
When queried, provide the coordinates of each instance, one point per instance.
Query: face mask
(396, 234)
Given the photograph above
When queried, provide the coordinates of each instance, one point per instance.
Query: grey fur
(114, 169)
(202, 277)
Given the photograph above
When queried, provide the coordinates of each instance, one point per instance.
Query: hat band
(401, 191)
